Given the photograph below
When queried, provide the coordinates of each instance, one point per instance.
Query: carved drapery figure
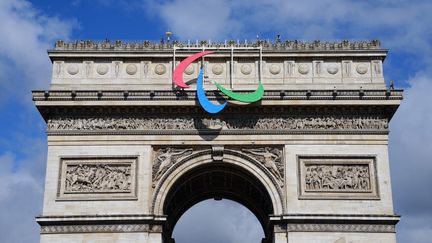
(165, 158)
(271, 158)
(98, 178)
(337, 177)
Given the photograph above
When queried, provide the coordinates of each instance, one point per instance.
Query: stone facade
(128, 152)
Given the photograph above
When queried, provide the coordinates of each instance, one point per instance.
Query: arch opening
(217, 180)
(218, 221)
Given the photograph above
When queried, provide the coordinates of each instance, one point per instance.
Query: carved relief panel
(97, 178)
(271, 158)
(165, 158)
(323, 177)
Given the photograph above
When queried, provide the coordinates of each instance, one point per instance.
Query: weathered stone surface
(128, 153)
(281, 65)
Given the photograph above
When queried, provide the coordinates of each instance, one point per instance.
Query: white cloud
(21, 193)
(190, 19)
(410, 146)
(26, 35)
(24, 65)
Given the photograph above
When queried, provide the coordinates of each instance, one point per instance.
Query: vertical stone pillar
(280, 233)
(155, 234)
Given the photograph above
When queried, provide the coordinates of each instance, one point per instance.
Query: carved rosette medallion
(361, 69)
(160, 69)
(217, 69)
(246, 69)
(303, 69)
(72, 69)
(190, 70)
(337, 177)
(332, 69)
(102, 69)
(97, 178)
(271, 158)
(131, 69)
(274, 69)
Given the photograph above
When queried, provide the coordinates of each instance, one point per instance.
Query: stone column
(280, 233)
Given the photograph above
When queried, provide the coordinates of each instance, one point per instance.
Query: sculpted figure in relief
(166, 158)
(191, 123)
(97, 178)
(269, 157)
(337, 177)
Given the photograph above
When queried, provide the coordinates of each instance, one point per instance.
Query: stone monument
(129, 152)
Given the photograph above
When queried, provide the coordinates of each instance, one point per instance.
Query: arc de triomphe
(129, 152)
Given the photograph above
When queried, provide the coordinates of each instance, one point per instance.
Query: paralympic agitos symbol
(202, 98)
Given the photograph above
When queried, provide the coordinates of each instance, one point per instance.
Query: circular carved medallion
(160, 69)
(102, 69)
(361, 69)
(217, 69)
(246, 69)
(332, 69)
(274, 69)
(131, 69)
(189, 70)
(73, 69)
(303, 68)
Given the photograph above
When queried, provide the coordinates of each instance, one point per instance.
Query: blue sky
(30, 27)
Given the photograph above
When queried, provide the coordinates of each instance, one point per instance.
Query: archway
(218, 221)
(236, 177)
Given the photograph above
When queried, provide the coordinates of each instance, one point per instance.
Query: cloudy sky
(28, 28)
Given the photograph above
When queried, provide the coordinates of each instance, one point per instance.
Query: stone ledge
(212, 132)
(335, 223)
(159, 95)
(53, 219)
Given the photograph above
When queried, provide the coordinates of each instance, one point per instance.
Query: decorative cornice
(364, 228)
(336, 218)
(102, 219)
(366, 223)
(116, 228)
(267, 45)
(159, 95)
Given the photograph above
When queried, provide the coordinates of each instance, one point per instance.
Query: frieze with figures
(97, 178)
(228, 123)
(337, 177)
